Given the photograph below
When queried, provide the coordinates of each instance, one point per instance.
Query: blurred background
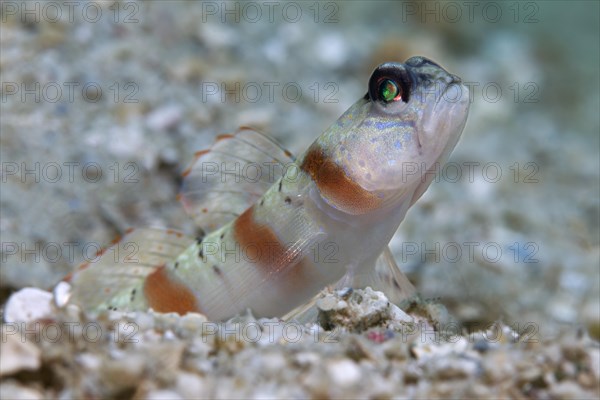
(104, 103)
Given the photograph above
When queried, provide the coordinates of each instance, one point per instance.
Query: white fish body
(278, 236)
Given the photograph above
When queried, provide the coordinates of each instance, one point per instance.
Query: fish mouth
(455, 79)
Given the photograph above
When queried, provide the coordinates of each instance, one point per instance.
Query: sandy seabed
(101, 113)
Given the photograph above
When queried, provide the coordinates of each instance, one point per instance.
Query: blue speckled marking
(381, 125)
(391, 124)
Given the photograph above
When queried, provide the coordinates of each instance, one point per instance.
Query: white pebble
(164, 118)
(398, 315)
(88, 361)
(62, 293)
(16, 353)
(343, 372)
(28, 304)
(190, 385)
(12, 390)
(163, 395)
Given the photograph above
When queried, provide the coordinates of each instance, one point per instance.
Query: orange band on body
(337, 187)
(260, 244)
(165, 294)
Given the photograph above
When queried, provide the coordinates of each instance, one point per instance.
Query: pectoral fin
(386, 277)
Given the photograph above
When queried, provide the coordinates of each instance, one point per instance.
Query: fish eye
(389, 83)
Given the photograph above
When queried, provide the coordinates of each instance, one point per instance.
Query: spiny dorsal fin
(233, 174)
(116, 278)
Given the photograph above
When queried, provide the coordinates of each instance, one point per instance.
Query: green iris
(388, 90)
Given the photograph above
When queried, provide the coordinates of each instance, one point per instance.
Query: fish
(276, 229)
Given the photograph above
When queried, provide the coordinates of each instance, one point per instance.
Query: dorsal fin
(233, 174)
(116, 278)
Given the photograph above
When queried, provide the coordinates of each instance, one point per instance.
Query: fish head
(380, 150)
